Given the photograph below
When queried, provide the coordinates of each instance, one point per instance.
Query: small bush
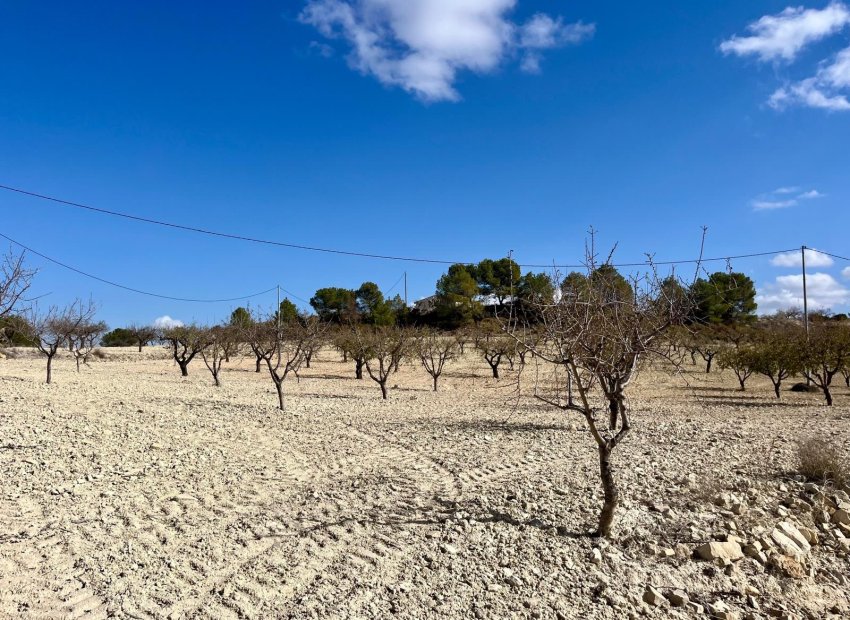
(99, 354)
(823, 460)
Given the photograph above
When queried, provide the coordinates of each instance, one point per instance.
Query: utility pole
(405, 289)
(805, 305)
(805, 293)
(278, 308)
(511, 272)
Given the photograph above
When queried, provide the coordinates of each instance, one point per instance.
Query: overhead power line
(204, 231)
(129, 288)
(833, 255)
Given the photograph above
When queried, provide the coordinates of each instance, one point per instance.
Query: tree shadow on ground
(440, 512)
(506, 426)
(332, 377)
(753, 403)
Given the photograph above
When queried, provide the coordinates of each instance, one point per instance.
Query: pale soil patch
(129, 492)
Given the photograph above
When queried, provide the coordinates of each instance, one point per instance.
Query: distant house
(426, 304)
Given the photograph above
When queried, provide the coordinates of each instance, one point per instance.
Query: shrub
(823, 460)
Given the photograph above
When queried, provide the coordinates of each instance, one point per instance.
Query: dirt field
(129, 492)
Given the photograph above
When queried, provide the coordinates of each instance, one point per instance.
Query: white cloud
(421, 45)
(782, 36)
(795, 259)
(542, 32)
(785, 292)
(777, 198)
(846, 273)
(823, 91)
(164, 322)
(762, 205)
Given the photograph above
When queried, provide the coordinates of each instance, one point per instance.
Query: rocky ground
(129, 492)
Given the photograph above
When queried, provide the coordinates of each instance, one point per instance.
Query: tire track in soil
(533, 460)
(390, 487)
(165, 533)
(39, 576)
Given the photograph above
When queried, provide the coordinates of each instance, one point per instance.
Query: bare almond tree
(494, 346)
(346, 340)
(282, 348)
(53, 329)
(825, 354)
(142, 334)
(313, 346)
(15, 281)
(383, 347)
(185, 343)
(219, 339)
(84, 339)
(434, 350)
(595, 337)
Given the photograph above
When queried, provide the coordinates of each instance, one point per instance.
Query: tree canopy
(724, 298)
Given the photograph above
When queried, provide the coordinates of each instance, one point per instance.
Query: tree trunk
(358, 369)
(184, 368)
(828, 395)
(49, 368)
(279, 386)
(383, 385)
(495, 368)
(435, 382)
(613, 413)
(708, 364)
(78, 364)
(741, 381)
(609, 487)
(776, 389)
(140, 346)
(307, 359)
(259, 360)
(344, 356)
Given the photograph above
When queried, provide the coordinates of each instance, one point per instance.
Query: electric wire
(245, 238)
(832, 255)
(128, 288)
(392, 288)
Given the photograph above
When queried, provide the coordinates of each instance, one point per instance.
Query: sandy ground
(127, 491)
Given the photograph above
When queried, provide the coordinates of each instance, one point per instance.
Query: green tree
(14, 331)
(606, 278)
(573, 285)
(369, 299)
(334, 304)
(533, 291)
(456, 305)
(241, 317)
(724, 298)
(118, 337)
(288, 311)
(497, 277)
(459, 281)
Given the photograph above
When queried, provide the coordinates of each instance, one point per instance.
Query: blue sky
(457, 130)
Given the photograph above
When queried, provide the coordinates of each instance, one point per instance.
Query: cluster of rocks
(784, 549)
